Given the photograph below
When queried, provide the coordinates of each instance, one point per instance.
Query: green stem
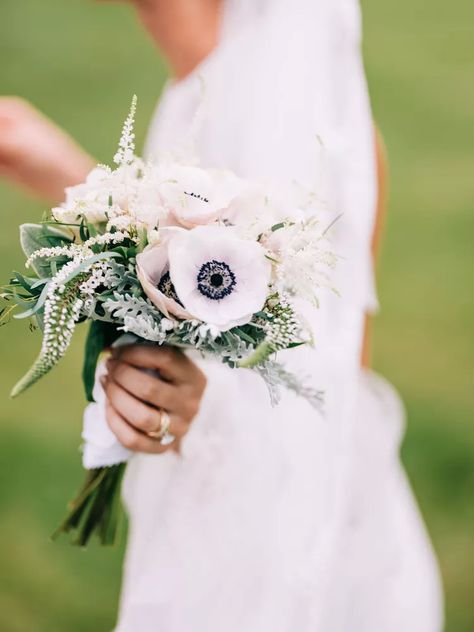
(96, 510)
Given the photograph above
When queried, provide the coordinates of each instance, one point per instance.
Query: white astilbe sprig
(304, 259)
(126, 150)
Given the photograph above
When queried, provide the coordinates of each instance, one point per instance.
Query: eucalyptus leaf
(25, 282)
(36, 236)
(38, 305)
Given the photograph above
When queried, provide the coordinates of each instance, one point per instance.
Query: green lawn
(80, 62)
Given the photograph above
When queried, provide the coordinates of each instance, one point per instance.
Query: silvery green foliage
(139, 316)
(123, 277)
(279, 328)
(276, 376)
(228, 345)
(116, 282)
(145, 327)
(121, 306)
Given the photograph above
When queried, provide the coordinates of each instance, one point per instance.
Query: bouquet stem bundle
(96, 508)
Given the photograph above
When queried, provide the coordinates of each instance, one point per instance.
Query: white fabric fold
(101, 448)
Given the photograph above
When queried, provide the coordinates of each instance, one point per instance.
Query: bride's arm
(36, 153)
(382, 185)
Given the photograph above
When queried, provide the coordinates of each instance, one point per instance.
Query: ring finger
(131, 438)
(138, 414)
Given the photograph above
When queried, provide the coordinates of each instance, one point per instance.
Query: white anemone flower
(220, 278)
(197, 196)
(154, 276)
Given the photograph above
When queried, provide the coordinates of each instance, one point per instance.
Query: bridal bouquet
(174, 255)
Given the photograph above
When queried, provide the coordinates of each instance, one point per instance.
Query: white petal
(190, 250)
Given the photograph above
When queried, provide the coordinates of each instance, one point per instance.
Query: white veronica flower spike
(196, 196)
(153, 274)
(219, 278)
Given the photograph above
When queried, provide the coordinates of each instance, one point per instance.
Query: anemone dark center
(166, 286)
(216, 280)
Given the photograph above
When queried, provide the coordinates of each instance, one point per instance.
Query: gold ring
(163, 428)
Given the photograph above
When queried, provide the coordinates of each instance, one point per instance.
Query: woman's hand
(135, 397)
(37, 154)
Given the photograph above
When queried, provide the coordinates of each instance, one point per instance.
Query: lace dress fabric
(284, 519)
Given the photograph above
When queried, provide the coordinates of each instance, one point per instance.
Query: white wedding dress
(284, 519)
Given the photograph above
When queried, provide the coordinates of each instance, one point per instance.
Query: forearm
(49, 185)
(36, 154)
(382, 188)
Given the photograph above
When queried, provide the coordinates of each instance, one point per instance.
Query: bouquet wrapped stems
(96, 509)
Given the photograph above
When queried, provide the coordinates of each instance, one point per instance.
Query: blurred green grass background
(80, 62)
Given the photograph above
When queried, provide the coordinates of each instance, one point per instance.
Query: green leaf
(21, 280)
(100, 336)
(239, 332)
(258, 357)
(83, 232)
(92, 230)
(143, 239)
(36, 236)
(276, 227)
(293, 345)
(38, 305)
